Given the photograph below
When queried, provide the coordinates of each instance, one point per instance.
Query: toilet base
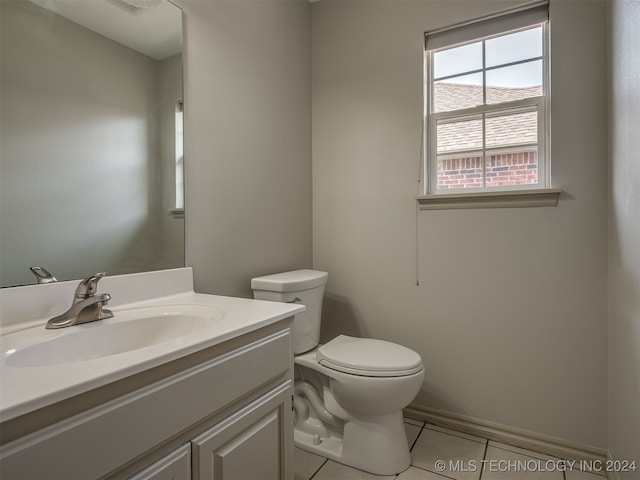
(376, 445)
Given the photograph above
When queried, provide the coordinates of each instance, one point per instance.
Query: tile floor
(439, 454)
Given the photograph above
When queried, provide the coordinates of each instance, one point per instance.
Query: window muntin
(487, 111)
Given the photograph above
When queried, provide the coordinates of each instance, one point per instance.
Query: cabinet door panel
(175, 466)
(250, 444)
(253, 453)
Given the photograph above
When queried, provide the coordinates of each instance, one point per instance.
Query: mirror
(90, 138)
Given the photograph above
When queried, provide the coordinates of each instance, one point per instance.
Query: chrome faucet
(42, 275)
(86, 305)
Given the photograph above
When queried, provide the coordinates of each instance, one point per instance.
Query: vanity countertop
(24, 389)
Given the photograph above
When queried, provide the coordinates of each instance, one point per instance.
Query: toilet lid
(368, 357)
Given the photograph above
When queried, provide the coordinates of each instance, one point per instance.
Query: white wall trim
(517, 437)
(546, 197)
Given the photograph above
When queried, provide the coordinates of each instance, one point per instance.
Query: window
(487, 104)
(179, 117)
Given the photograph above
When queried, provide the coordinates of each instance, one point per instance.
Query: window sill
(547, 197)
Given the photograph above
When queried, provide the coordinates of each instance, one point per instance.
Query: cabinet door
(253, 443)
(175, 466)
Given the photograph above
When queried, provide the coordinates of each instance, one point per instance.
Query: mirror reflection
(90, 138)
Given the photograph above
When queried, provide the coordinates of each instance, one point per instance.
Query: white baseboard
(517, 437)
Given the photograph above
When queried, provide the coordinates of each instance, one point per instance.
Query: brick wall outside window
(505, 169)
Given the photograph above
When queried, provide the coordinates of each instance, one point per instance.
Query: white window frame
(470, 32)
(179, 156)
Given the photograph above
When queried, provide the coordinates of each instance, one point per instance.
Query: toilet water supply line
(306, 389)
(301, 407)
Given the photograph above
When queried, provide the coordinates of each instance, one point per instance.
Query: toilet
(349, 392)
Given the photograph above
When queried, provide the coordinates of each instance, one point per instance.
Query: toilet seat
(368, 357)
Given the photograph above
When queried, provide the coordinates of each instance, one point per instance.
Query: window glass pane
(506, 168)
(514, 47)
(457, 92)
(459, 135)
(452, 61)
(460, 171)
(511, 129)
(514, 83)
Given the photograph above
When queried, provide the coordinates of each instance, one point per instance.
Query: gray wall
(510, 315)
(248, 141)
(624, 232)
(80, 181)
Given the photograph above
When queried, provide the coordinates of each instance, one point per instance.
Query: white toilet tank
(299, 286)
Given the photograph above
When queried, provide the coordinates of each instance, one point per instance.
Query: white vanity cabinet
(248, 445)
(175, 466)
(223, 412)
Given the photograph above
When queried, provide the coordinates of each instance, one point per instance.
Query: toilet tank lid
(294, 281)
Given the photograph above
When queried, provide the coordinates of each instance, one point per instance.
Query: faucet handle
(42, 275)
(88, 287)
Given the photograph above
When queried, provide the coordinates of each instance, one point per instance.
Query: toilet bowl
(349, 393)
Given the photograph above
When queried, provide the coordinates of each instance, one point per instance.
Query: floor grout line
(484, 457)
(417, 436)
(319, 468)
(440, 474)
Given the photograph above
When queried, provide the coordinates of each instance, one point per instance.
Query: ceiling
(155, 32)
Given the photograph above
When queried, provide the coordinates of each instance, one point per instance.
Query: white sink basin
(129, 330)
